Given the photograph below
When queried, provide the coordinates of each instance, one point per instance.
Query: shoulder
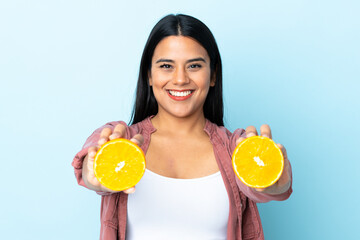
(222, 132)
(145, 126)
(224, 136)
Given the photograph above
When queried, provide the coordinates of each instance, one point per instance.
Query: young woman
(189, 189)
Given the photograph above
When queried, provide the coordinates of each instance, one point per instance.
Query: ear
(213, 79)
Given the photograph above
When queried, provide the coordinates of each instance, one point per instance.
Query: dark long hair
(179, 25)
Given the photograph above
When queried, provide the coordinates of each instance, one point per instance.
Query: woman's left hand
(284, 182)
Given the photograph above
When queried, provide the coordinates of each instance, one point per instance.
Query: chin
(181, 111)
(183, 114)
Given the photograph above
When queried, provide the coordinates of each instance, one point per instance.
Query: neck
(179, 126)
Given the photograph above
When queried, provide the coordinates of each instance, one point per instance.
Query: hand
(284, 182)
(88, 165)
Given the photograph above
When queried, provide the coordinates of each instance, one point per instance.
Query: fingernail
(130, 190)
(114, 136)
(134, 140)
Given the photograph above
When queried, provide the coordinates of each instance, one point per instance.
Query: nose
(180, 76)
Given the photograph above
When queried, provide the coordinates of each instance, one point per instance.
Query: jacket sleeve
(77, 162)
(250, 192)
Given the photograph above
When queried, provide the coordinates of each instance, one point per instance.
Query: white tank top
(171, 208)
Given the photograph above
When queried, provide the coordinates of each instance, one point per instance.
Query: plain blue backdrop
(68, 67)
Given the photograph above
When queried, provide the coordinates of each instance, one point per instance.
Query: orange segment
(258, 162)
(119, 164)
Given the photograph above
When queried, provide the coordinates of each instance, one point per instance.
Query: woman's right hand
(88, 174)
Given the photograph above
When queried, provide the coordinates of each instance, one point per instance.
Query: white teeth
(179, 94)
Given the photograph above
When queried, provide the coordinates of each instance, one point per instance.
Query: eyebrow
(188, 61)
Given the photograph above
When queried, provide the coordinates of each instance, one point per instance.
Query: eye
(165, 66)
(195, 66)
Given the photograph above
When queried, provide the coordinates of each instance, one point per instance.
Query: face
(180, 76)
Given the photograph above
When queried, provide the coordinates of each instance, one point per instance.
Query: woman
(189, 190)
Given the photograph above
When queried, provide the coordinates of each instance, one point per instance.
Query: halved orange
(119, 164)
(258, 162)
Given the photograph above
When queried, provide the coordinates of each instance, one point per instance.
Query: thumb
(138, 139)
(239, 140)
(129, 190)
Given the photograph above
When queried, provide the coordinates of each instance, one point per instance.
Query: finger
(287, 168)
(138, 139)
(104, 136)
(90, 160)
(129, 190)
(251, 131)
(260, 189)
(283, 150)
(265, 131)
(285, 178)
(92, 152)
(239, 140)
(119, 132)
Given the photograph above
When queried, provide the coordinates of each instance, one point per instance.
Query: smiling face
(180, 76)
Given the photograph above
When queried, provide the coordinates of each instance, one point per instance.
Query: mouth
(180, 95)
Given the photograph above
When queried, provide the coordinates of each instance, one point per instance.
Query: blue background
(68, 67)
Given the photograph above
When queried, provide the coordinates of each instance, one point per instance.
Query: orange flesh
(119, 164)
(258, 162)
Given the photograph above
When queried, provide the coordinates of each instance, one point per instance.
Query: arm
(84, 160)
(282, 189)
